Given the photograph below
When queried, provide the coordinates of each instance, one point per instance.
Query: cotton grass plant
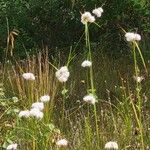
(91, 98)
(137, 108)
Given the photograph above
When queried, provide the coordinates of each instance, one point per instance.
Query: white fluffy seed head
(129, 36)
(97, 12)
(62, 142)
(34, 112)
(89, 99)
(91, 19)
(12, 147)
(87, 17)
(45, 98)
(132, 36)
(24, 114)
(100, 9)
(62, 74)
(138, 78)
(111, 145)
(28, 76)
(38, 105)
(15, 99)
(86, 63)
(137, 37)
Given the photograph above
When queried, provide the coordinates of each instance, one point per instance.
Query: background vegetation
(56, 23)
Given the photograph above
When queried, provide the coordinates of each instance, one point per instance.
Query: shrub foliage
(56, 23)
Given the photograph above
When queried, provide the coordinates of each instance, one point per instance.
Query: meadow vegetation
(77, 100)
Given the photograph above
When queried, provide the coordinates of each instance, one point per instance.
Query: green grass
(115, 88)
(120, 114)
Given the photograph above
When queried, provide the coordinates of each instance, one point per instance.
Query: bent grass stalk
(138, 48)
(138, 87)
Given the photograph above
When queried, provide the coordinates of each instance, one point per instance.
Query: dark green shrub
(56, 23)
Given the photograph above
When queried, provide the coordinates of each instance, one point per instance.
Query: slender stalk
(139, 124)
(63, 105)
(113, 118)
(33, 145)
(135, 43)
(89, 57)
(96, 123)
(138, 112)
(88, 133)
(6, 52)
(135, 61)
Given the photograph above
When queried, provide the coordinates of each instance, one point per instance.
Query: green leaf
(64, 91)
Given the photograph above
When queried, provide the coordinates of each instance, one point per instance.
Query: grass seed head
(111, 145)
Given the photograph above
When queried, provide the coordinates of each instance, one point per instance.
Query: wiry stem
(89, 57)
(138, 117)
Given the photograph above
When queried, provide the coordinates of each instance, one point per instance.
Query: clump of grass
(114, 110)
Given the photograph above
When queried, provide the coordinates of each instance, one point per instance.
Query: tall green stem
(89, 57)
(137, 112)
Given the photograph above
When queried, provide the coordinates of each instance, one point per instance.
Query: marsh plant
(60, 105)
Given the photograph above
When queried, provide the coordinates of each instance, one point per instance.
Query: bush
(57, 23)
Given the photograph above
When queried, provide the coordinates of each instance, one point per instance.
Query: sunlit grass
(115, 91)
